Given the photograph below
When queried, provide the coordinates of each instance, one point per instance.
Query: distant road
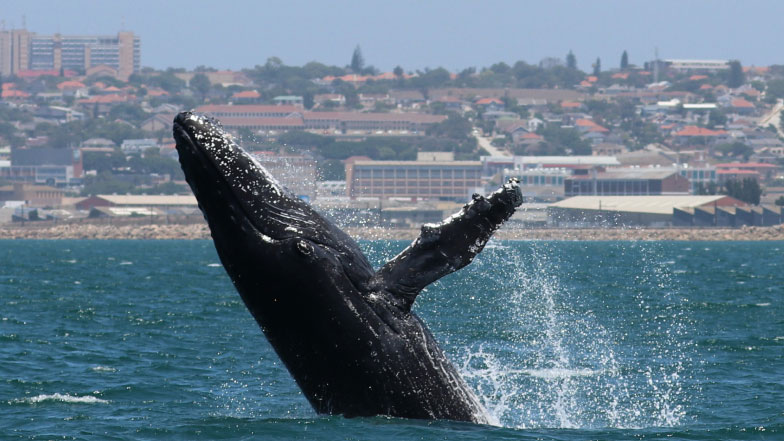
(773, 117)
(484, 142)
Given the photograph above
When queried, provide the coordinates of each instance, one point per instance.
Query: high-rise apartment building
(21, 50)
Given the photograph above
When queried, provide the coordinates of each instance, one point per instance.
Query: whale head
(253, 219)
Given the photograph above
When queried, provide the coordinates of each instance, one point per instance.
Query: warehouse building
(653, 211)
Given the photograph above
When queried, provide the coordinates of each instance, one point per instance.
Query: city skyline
(453, 35)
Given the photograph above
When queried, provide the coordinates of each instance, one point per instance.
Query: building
(630, 210)
(684, 65)
(53, 167)
(526, 162)
(626, 182)
(21, 50)
(137, 201)
(443, 180)
(291, 117)
(14, 51)
(540, 184)
(32, 195)
(759, 171)
(700, 175)
(133, 146)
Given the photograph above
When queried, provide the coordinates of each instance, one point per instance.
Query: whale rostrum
(345, 332)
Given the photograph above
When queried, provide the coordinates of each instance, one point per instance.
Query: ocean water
(130, 340)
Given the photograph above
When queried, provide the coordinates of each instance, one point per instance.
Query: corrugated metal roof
(148, 200)
(630, 174)
(636, 204)
(570, 160)
(418, 163)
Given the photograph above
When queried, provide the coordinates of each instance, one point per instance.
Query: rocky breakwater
(200, 231)
(651, 234)
(99, 231)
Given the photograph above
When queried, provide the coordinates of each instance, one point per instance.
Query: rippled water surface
(561, 340)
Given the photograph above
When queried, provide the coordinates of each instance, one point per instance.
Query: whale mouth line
(231, 200)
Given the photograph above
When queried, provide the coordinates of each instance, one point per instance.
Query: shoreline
(199, 231)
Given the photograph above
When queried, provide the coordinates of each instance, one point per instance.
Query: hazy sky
(416, 34)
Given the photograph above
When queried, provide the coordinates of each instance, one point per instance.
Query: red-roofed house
(620, 76)
(571, 105)
(14, 94)
(705, 87)
(741, 105)
(156, 92)
(490, 104)
(246, 96)
(752, 93)
(736, 174)
(587, 125)
(592, 78)
(698, 135)
(71, 85)
(698, 77)
(747, 169)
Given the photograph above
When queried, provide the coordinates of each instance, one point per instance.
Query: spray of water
(568, 361)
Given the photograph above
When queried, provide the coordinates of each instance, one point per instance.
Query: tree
(201, 84)
(564, 140)
(398, 71)
(597, 67)
(735, 77)
(454, 127)
(357, 61)
(780, 201)
(308, 100)
(747, 190)
(624, 61)
(736, 148)
(716, 118)
(571, 60)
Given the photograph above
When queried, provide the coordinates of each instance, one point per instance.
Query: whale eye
(304, 248)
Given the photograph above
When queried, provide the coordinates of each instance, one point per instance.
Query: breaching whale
(345, 332)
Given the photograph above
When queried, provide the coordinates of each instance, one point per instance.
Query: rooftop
(641, 204)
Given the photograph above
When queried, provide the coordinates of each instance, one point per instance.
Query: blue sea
(136, 340)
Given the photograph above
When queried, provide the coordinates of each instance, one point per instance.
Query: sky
(417, 34)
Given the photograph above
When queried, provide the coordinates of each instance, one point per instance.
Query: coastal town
(663, 146)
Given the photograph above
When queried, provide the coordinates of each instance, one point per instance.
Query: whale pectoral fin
(446, 247)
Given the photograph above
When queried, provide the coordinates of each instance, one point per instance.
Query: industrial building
(443, 180)
(627, 182)
(582, 211)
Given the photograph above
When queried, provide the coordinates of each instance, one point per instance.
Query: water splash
(569, 358)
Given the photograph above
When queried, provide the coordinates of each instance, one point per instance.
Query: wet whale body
(345, 332)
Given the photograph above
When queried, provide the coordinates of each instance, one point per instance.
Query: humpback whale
(344, 331)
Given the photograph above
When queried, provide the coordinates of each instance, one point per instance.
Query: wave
(64, 398)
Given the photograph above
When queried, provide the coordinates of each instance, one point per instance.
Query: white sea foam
(65, 398)
(103, 369)
(214, 265)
